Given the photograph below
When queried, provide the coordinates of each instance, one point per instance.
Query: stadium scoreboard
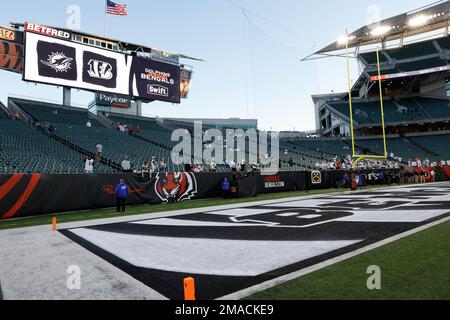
(63, 57)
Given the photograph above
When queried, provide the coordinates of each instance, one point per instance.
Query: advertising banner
(154, 80)
(112, 100)
(185, 83)
(11, 56)
(11, 35)
(36, 194)
(64, 63)
(47, 31)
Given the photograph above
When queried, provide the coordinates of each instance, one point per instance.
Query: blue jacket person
(121, 195)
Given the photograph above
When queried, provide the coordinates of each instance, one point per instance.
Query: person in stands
(121, 195)
(126, 165)
(99, 152)
(89, 165)
(163, 166)
(213, 166)
(51, 130)
(154, 165)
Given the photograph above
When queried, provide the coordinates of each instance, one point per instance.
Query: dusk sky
(260, 52)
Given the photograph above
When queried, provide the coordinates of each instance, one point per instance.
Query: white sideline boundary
(298, 274)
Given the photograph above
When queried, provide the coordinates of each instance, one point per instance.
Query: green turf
(416, 267)
(144, 209)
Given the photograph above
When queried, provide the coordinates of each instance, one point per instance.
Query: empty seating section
(440, 145)
(433, 147)
(150, 129)
(435, 108)
(363, 112)
(396, 111)
(24, 150)
(407, 52)
(71, 125)
(412, 57)
(400, 147)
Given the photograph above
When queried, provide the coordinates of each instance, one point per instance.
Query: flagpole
(104, 18)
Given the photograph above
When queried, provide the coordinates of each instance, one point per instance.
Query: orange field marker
(189, 289)
(54, 223)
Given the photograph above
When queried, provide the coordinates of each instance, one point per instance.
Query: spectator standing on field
(121, 195)
(99, 152)
(226, 188)
(145, 169)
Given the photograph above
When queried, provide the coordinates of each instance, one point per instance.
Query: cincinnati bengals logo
(11, 187)
(11, 56)
(175, 187)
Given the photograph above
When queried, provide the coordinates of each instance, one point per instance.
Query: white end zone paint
(275, 282)
(208, 256)
(33, 266)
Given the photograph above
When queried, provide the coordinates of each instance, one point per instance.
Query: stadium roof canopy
(413, 23)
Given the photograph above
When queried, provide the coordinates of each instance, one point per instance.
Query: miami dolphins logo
(176, 187)
(59, 62)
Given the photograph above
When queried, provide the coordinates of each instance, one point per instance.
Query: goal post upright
(350, 102)
(380, 85)
(358, 158)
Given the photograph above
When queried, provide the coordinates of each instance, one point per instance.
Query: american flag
(116, 9)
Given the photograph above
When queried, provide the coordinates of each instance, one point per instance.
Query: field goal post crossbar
(350, 102)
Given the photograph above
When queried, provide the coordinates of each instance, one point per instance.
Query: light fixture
(345, 39)
(419, 20)
(380, 31)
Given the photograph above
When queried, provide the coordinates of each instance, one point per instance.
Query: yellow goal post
(359, 158)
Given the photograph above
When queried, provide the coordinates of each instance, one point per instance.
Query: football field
(231, 251)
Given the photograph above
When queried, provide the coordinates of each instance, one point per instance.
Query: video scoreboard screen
(51, 58)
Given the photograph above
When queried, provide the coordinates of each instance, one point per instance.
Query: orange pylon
(189, 289)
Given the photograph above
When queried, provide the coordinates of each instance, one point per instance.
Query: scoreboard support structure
(67, 96)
